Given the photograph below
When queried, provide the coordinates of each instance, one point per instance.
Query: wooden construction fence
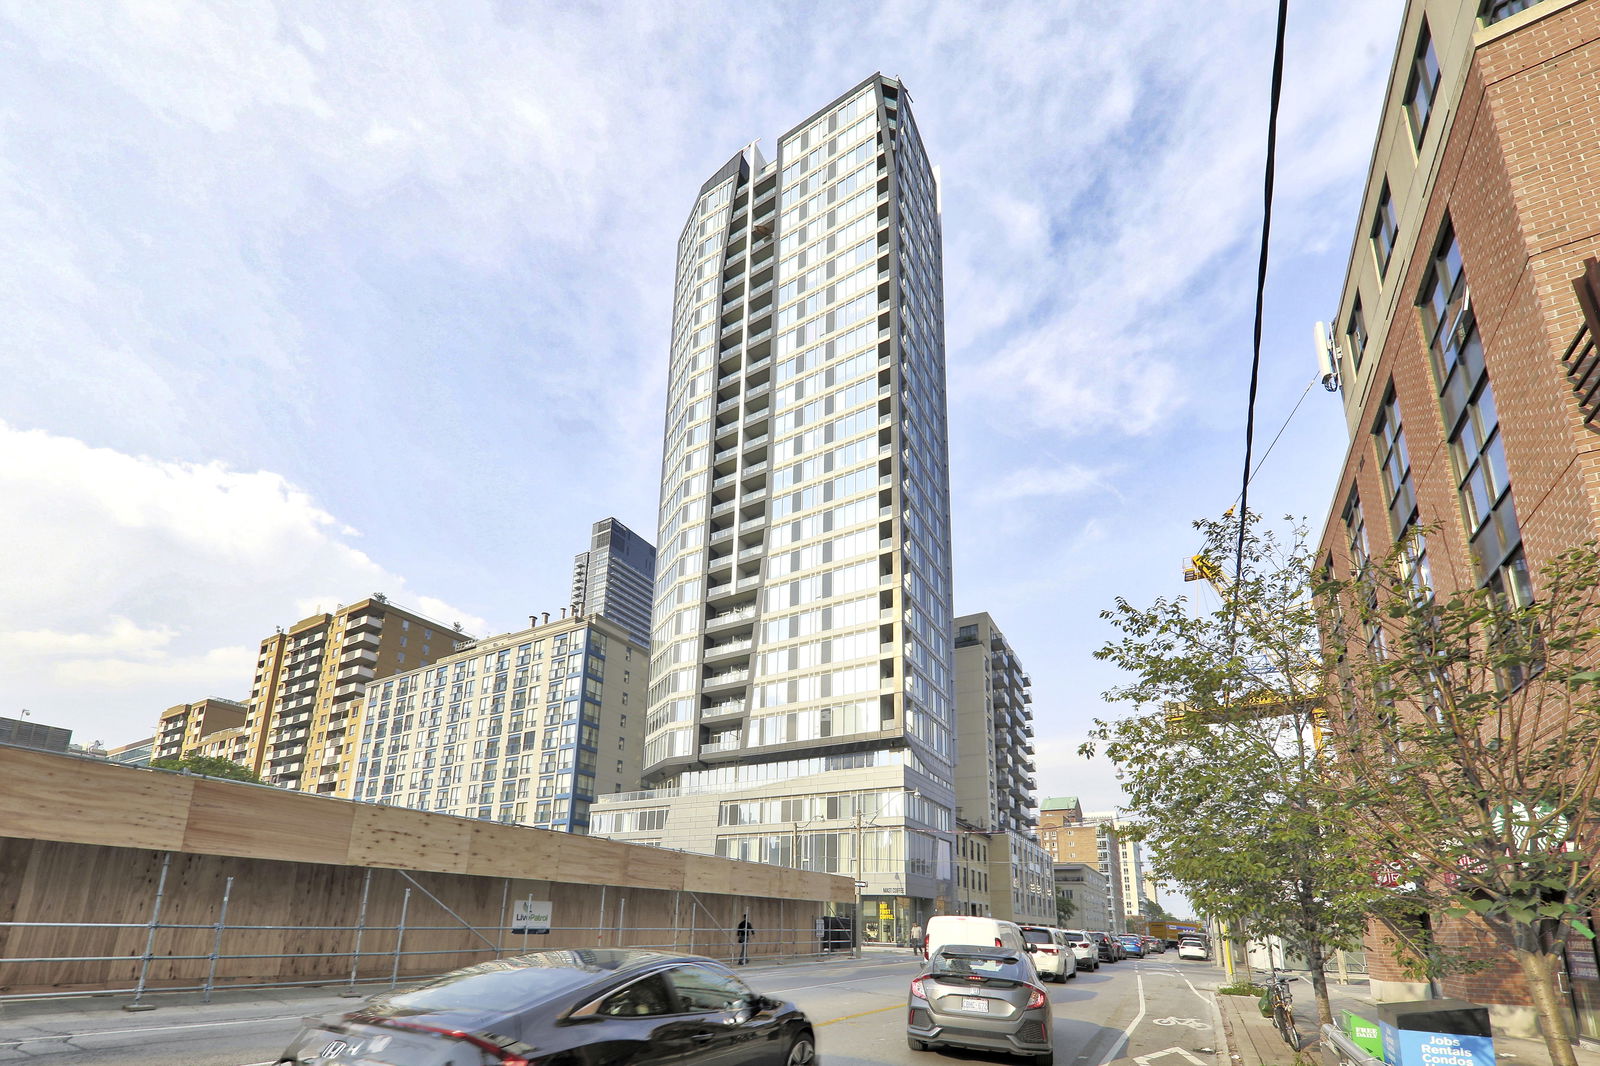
(118, 879)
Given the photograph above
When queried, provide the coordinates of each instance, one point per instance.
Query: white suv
(1053, 959)
(1084, 949)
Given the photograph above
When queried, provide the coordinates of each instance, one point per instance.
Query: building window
(1495, 10)
(1471, 422)
(1422, 87)
(1356, 330)
(1385, 229)
(1394, 466)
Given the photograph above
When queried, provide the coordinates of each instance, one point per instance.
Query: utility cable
(1276, 436)
(1261, 294)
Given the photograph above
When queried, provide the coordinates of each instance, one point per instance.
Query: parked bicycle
(1281, 1001)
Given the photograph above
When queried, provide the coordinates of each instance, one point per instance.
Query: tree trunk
(1539, 970)
(1317, 961)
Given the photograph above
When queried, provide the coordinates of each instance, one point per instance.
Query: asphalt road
(1151, 1012)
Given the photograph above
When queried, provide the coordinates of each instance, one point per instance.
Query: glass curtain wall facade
(802, 623)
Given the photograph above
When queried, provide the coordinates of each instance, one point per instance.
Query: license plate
(975, 1004)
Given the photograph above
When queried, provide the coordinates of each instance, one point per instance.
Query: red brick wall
(1520, 178)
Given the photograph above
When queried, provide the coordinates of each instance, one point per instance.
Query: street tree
(1065, 908)
(210, 766)
(1467, 741)
(1220, 760)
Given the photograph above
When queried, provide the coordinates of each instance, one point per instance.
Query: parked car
(1051, 956)
(1193, 947)
(966, 929)
(1153, 945)
(576, 1005)
(980, 997)
(1132, 944)
(1110, 950)
(1084, 949)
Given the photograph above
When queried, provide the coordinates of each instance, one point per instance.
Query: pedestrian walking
(916, 940)
(745, 932)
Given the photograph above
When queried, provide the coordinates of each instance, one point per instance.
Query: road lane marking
(147, 1029)
(863, 1014)
(1121, 1041)
(1144, 1060)
(1192, 1023)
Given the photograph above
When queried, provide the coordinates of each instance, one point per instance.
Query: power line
(1275, 437)
(1261, 295)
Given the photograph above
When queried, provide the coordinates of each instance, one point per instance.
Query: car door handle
(701, 1038)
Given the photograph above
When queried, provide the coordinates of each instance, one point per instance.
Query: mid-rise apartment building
(615, 578)
(802, 698)
(1466, 358)
(972, 894)
(1087, 888)
(526, 727)
(1134, 892)
(181, 726)
(305, 699)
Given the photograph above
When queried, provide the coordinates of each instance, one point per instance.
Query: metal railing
(695, 930)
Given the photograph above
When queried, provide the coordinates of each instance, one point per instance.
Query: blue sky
(309, 301)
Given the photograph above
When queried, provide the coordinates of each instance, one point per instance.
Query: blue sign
(1410, 1047)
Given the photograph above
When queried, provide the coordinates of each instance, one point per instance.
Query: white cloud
(139, 583)
(1069, 479)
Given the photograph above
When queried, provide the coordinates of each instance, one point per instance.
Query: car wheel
(915, 1045)
(802, 1052)
(1069, 975)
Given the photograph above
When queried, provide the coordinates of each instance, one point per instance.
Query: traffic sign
(861, 884)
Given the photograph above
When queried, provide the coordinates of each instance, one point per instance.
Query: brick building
(1457, 316)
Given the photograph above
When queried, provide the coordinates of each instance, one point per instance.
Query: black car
(583, 1007)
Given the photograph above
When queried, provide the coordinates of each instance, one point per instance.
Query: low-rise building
(525, 727)
(972, 871)
(28, 734)
(1087, 888)
(137, 753)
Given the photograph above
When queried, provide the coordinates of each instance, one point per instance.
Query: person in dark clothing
(745, 932)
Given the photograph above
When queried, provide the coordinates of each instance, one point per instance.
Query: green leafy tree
(210, 766)
(1065, 908)
(1220, 760)
(1467, 738)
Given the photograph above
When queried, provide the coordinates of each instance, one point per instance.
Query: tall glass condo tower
(801, 703)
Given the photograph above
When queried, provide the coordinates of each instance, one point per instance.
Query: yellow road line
(863, 1014)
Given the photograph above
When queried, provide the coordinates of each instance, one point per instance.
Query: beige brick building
(306, 695)
(1467, 368)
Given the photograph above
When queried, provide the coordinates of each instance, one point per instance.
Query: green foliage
(1219, 759)
(1065, 908)
(1242, 988)
(1466, 739)
(210, 766)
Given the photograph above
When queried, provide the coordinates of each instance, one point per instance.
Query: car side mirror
(1033, 949)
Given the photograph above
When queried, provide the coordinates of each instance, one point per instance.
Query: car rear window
(1074, 934)
(956, 963)
(492, 990)
(1037, 936)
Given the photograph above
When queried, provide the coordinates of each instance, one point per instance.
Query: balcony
(752, 523)
(728, 647)
(729, 677)
(721, 534)
(738, 614)
(724, 742)
(366, 622)
(722, 708)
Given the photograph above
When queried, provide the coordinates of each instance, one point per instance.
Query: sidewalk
(1254, 1041)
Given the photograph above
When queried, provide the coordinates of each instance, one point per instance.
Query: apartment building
(972, 895)
(181, 726)
(1134, 891)
(1068, 837)
(1087, 888)
(525, 728)
(306, 697)
(615, 578)
(1466, 329)
(802, 699)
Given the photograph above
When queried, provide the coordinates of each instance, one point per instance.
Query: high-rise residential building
(305, 700)
(1134, 894)
(29, 734)
(801, 703)
(524, 727)
(615, 578)
(181, 726)
(1069, 837)
(1466, 332)
(994, 769)
(994, 727)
